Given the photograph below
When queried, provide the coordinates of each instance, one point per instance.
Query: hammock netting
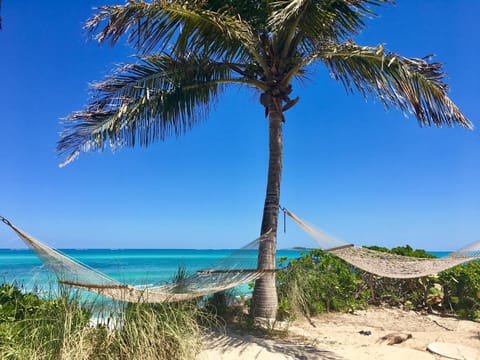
(385, 264)
(238, 268)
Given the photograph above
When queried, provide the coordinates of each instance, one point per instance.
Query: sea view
(131, 266)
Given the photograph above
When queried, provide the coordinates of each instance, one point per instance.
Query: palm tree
(189, 51)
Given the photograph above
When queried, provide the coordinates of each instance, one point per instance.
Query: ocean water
(130, 266)
(440, 254)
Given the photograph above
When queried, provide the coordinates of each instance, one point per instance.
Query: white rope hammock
(385, 264)
(235, 269)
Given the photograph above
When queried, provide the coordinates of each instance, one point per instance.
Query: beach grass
(45, 329)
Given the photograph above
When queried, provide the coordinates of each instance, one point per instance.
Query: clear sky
(358, 172)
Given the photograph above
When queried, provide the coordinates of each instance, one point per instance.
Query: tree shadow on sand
(242, 344)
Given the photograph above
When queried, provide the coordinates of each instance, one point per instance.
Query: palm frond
(411, 84)
(255, 12)
(145, 102)
(316, 20)
(178, 27)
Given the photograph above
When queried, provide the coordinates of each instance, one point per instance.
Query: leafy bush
(461, 285)
(413, 294)
(456, 289)
(406, 250)
(417, 293)
(318, 282)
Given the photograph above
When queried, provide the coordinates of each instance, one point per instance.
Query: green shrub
(456, 290)
(406, 250)
(318, 282)
(461, 285)
(412, 294)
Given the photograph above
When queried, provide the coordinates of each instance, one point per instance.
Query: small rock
(395, 338)
(365, 332)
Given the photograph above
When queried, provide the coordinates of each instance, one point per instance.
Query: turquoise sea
(131, 266)
(440, 254)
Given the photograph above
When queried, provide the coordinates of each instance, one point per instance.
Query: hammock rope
(385, 264)
(235, 269)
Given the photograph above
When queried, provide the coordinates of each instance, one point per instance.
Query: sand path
(337, 337)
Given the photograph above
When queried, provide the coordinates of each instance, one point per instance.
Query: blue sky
(362, 174)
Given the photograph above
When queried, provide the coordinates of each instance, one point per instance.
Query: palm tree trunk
(264, 300)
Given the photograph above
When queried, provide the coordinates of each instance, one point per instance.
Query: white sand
(336, 336)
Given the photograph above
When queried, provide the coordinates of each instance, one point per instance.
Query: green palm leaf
(141, 103)
(323, 19)
(153, 26)
(410, 84)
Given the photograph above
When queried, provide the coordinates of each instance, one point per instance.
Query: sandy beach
(336, 336)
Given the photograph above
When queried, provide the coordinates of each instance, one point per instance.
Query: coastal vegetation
(189, 51)
(319, 282)
(38, 328)
(461, 289)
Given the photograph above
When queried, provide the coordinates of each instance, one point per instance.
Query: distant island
(299, 248)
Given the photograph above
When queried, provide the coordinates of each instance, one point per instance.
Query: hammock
(235, 269)
(385, 264)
